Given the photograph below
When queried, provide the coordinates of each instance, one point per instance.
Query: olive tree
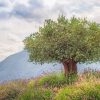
(68, 41)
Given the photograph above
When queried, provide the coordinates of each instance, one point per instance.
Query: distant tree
(68, 41)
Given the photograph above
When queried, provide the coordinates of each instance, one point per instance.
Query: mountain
(17, 67)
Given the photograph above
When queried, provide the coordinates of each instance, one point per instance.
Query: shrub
(26, 95)
(35, 93)
(43, 94)
(56, 80)
(85, 91)
(11, 90)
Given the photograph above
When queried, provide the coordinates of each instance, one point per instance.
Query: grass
(83, 91)
(59, 80)
(54, 87)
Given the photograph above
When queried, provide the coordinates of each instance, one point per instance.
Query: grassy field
(54, 87)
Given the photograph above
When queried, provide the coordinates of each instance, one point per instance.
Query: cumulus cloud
(3, 4)
(28, 13)
(19, 18)
(9, 44)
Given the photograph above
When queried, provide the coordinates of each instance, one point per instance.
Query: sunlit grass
(54, 87)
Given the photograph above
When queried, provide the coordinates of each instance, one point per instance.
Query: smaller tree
(68, 41)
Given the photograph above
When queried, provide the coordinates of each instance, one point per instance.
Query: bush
(43, 94)
(85, 91)
(57, 80)
(10, 91)
(35, 93)
(26, 95)
(9, 94)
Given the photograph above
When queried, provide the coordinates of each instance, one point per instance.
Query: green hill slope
(54, 87)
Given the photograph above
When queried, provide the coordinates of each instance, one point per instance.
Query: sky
(20, 18)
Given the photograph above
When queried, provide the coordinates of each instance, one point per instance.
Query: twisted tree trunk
(70, 66)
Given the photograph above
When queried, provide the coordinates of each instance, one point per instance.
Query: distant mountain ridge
(17, 67)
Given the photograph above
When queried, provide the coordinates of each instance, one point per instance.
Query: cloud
(19, 18)
(4, 15)
(36, 4)
(27, 13)
(21, 10)
(3, 4)
(40, 9)
(28, 10)
(12, 33)
(9, 44)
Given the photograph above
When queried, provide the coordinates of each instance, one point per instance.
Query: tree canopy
(64, 39)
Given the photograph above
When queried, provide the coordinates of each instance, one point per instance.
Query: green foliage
(11, 91)
(43, 94)
(36, 94)
(54, 87)
(85, 91)
(57, 80)
(65, 39)
(27, 95)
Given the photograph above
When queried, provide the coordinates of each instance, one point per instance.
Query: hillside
(54, 87)
(17, 66)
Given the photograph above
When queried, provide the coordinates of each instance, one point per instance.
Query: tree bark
(70, 66)
(66, 70)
